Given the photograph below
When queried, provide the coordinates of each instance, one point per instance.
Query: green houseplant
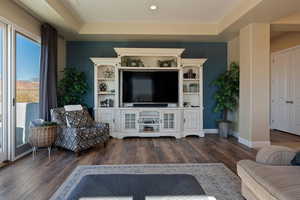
(227, 96)
(72, 87)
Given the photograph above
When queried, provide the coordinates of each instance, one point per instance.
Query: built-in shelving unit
(105, 83)
(178, 120)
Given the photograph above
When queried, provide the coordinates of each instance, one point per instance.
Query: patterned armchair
(78, 138)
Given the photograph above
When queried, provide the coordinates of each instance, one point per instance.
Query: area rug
(214, 179)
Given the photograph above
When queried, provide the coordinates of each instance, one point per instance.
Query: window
(27, 73)
(27, 69)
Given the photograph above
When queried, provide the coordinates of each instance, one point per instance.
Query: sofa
(78, 139)
(271, 176)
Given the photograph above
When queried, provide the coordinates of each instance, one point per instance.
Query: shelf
(191, 93)
(145, 124)
(106, 79)
(149, 68)
(105, 107)
(106, 93)
(191, 79)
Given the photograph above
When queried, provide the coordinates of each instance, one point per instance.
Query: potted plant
(72, 87)
(226, 96)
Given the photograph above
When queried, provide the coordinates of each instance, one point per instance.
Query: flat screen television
(150, 87)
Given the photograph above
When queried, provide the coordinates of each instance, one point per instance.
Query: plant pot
(224, 128)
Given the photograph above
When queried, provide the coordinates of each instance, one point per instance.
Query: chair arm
(275, 155)
(101, 125)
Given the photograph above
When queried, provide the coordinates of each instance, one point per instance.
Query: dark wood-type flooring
(38, 179)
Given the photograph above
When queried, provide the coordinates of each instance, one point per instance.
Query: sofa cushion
(282, 182)
(275, 155)
(79, 119)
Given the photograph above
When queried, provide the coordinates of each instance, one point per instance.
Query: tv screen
(150, 87)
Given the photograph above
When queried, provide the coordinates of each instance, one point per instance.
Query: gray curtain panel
(48, 71)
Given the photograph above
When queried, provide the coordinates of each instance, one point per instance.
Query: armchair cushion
(78, 119)
(275, 155)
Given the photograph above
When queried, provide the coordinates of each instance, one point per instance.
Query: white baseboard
(260, 144)
(235, 134)
(257, 144)
(216, 131)
(211, 131)
(245, 142)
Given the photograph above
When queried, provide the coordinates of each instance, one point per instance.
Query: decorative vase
(103, 87)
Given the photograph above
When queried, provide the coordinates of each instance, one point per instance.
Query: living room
(150, 99)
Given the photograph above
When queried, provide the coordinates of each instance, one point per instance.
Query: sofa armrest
(275, 155)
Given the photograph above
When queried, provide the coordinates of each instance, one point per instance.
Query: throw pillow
(296, 160)
(79, 119)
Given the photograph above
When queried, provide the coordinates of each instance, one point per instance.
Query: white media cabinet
(176, 120)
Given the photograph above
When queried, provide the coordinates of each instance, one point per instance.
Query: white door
(168, 121)
(279, 107)
(294, 99)
(107, 116)
(285, 102)
(191, 120)
(129, 121)
(26, 88)
(3, 133)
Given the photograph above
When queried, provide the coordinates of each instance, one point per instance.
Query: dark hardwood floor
(38, 179)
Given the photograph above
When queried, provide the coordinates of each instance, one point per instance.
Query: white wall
(285, 41)
(254, 102)
(17, 15)
(233, 50)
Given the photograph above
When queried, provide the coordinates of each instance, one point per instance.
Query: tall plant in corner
(72, 87)
(227, 95)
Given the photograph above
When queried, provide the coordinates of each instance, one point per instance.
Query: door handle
(290, 102)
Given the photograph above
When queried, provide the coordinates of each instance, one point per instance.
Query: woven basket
(42, 136)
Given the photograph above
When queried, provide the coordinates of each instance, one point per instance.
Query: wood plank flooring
(38, 179)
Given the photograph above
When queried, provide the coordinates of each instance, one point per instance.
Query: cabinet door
(129, 121)
(191, 120)
(168, 121)
(106, 116)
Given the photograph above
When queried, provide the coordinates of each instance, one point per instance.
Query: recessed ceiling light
(153, 7)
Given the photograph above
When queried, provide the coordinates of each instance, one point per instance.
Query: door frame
(5, 149)
(12, 91)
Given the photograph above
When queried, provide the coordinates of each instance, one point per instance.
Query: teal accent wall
(79, 52)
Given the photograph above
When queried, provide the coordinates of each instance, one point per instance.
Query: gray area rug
(215, 178)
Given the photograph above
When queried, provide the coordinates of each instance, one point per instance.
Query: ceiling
(169, 11)
(174, 20)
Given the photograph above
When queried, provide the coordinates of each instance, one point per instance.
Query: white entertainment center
(145, 118)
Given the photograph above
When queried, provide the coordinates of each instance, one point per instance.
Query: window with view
(27, 69)
(27, 88)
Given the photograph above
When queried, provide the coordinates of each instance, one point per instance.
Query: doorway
(285, 91)
(26, 89)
